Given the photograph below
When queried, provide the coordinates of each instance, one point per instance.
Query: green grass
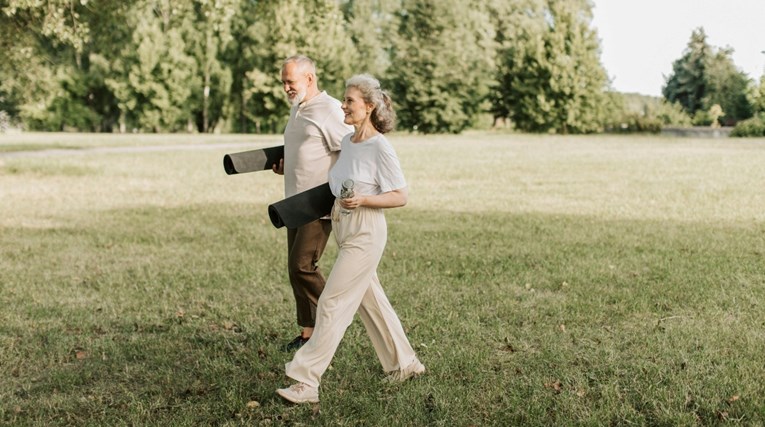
(542, 280)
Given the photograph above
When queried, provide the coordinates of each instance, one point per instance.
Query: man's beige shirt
(312, 142)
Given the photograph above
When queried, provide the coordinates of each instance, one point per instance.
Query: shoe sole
(290, 399)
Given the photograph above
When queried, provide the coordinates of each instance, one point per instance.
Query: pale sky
(640, 39)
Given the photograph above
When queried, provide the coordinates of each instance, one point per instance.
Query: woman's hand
(391, 199)
(351, 203)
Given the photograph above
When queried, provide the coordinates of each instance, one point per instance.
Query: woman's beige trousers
(353, 286)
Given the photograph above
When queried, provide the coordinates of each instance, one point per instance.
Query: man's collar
(304, 103)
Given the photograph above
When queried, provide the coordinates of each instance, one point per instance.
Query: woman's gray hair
(383, 117)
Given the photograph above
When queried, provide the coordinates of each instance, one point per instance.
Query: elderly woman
(367, 158)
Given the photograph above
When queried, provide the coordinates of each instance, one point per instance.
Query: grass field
(543, 280)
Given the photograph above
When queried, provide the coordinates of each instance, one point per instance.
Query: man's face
(295, 83)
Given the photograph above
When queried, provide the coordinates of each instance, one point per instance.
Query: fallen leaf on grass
(555, 386)
(80, 354)
(733, 399)
(230, 326)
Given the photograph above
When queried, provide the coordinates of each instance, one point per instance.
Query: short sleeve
(389, 174)
(334, 129)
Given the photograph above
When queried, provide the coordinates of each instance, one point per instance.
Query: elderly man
(311, 146)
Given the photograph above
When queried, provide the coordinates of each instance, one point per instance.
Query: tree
(207, 32)
(705, 76)
(757, 96)
(440, 64)
(688, 82)
(549, 76)
(281, 29)
(728, 88)
(37, 38)
(24, 95)
(57, 20)
(370, 24)
(154, 77)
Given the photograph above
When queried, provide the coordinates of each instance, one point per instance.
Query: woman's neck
(363, 131)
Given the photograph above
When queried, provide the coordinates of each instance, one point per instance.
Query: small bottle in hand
(345, 192)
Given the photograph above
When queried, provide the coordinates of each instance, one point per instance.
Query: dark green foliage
(754, 126)
(371, 25)
(728, 88)
(440, 64)
(688, 83)
(549, 76)
(213, 66)
(282, 29)
(704, 77)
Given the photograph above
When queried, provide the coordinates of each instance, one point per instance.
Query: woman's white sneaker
(415, 369)
(300, 393)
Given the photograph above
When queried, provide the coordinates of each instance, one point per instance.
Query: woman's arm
(391, 199)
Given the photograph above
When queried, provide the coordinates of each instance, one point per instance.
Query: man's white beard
(299, 97)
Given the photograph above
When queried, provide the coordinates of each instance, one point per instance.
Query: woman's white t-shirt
(372, 164)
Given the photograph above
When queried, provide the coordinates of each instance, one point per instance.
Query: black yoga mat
(302, 208)
(253, 161)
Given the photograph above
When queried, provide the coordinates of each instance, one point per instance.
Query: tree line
(450, 65)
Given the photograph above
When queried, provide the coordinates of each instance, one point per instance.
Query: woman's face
(354, 107)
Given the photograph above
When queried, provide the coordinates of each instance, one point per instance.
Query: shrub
(754, 127)
(702, 118)
(636, 123)
(634, 113)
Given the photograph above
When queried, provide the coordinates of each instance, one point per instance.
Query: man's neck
(310, 94)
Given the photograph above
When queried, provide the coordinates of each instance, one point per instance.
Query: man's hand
(278, 169)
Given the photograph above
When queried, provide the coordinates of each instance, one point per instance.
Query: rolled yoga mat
(253, 161)
(302, 208)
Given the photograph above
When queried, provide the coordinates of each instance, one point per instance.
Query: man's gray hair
(303, 62)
